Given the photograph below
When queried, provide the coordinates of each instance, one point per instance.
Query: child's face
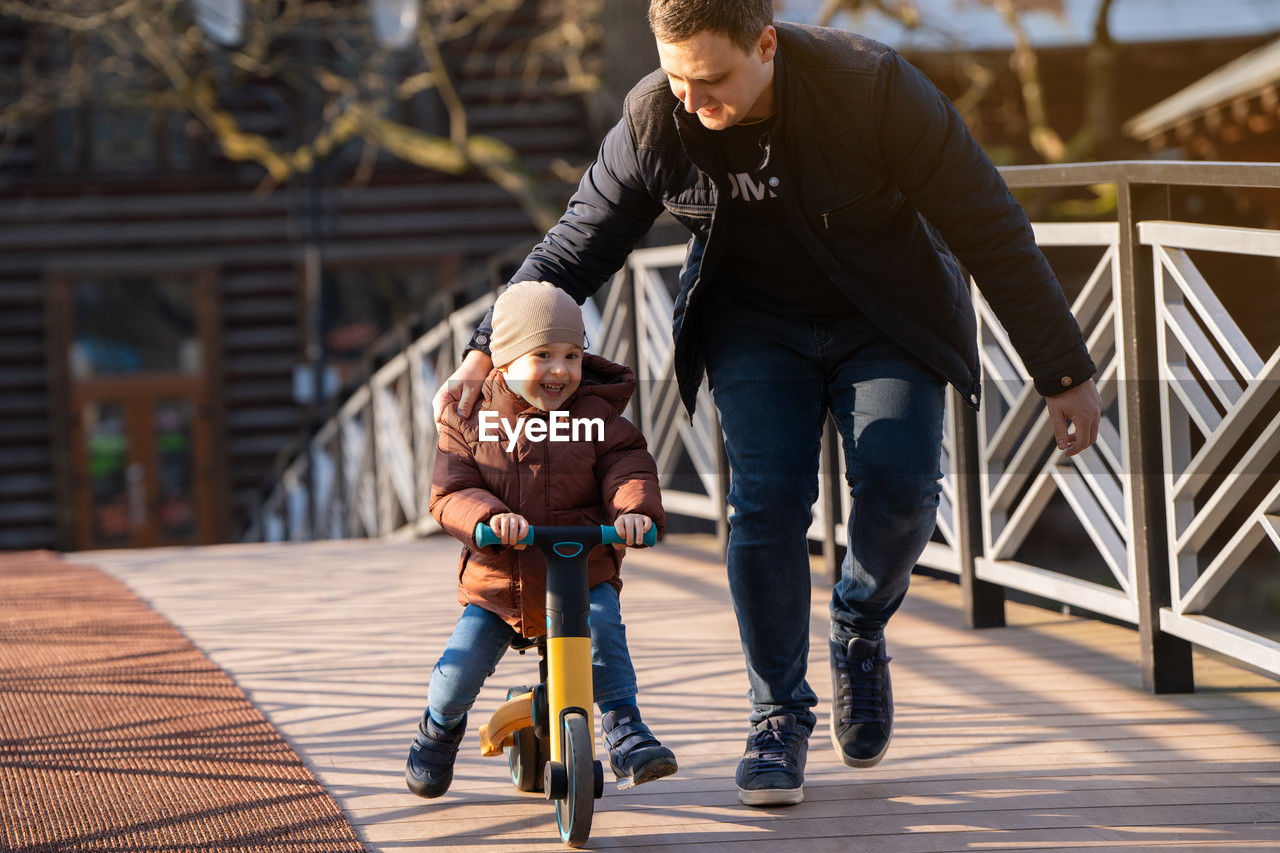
(547, 375)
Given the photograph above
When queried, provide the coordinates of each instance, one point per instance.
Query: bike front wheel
(573, 813)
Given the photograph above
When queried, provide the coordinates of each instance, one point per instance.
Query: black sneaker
(635, 754)
(862, 701)
(771, 772)
(429, 770)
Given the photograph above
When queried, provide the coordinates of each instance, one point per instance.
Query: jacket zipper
(825, 224)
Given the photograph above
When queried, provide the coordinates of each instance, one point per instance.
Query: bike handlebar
(485, 536)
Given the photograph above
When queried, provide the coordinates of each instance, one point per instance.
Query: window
(360, 304)
(133, 325)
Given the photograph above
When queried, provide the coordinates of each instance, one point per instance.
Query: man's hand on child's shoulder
(632, 526)
(510, 528)
(463, 387)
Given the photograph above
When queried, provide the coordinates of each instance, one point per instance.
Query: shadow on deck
(1037, 735)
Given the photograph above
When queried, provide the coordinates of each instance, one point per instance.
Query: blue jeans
(481, 638)
(773, 381)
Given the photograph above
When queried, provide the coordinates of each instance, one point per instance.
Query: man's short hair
(674, 21)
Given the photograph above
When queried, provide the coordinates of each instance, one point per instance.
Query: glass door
(116, 502)
(141, 439)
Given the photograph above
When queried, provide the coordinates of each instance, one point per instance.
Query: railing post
(380, 484)
(313, 484)
(630, 300)
(982, 602)
(1165, 663)
(338, 508)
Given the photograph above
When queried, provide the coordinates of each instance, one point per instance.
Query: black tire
(544, 755)
(573, 813)
(523, 756)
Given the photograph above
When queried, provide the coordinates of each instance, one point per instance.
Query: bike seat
(520, 643)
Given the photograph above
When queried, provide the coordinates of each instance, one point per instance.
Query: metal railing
(1179, 490)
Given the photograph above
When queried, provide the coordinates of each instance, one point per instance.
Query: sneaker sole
(770, 796)
(857, 762)
(419, 789)
(652, 771)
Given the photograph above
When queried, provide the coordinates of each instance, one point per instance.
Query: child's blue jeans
(481, 638)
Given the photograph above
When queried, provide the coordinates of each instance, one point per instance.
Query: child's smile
(546, 376)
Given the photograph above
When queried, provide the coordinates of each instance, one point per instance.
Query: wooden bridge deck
(1035, 736)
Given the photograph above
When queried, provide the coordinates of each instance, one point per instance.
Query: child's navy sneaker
(771, 772)
(429, 770)
(635, 754)
(862, 700)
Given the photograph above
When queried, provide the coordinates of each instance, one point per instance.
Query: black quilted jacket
(882, 182)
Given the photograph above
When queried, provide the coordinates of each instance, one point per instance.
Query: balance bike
(548, 727)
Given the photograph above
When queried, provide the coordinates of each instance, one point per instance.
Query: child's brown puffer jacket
(548, 482)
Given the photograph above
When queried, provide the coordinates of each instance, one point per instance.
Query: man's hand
(463, 385)
(1081, 408)
(510, 528)
(632, 527)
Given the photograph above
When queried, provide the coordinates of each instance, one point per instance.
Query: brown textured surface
(116, 733)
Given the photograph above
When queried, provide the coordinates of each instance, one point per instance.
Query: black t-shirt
(764, 261)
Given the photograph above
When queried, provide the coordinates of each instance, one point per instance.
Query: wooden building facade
(154, 310)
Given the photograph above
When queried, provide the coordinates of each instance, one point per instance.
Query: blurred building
(947, 25)
(156, 303)
(154, 307)
(1232, 113)
(1158, 47)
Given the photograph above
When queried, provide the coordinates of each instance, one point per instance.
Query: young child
(483, 473)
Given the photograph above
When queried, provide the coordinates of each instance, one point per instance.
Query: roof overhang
(1233, 87)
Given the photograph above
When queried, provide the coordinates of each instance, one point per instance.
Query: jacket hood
(611, 382)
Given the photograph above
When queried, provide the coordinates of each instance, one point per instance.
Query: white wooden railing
(1176, 459)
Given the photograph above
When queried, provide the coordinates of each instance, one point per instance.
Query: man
(826, 183)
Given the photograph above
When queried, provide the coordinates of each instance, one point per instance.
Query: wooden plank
(123, 259)
(256, 229)
(1209, 310)
(1011, 809)
(436, 195)
(915, 791)
(1211, 238)
(1200, 350)
(1038, 734)
(29, 535)
(798, 825)
(32, 458)
(24, 292)
(21, 513)
(26, 484)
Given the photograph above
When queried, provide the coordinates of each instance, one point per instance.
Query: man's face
(718, 80)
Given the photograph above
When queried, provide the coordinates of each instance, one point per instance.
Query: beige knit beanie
(530, 314)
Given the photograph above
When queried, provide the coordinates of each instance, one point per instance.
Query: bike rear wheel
(526, 755)
(525, 760)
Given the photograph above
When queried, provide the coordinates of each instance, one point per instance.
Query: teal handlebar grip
(485, 536)
(609, 535)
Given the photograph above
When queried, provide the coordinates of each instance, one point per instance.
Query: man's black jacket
(879, 177)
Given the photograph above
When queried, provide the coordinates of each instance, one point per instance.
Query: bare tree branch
(42, 14)
(1026, 65)
(142, 55)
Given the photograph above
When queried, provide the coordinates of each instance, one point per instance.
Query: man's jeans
(481, 638)
(773, 381)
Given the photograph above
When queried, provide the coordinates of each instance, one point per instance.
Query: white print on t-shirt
(748, 188)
